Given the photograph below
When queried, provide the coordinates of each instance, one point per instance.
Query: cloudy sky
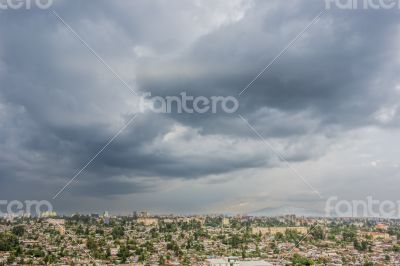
(322, 120)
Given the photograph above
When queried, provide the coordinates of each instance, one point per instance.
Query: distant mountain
(286, 210)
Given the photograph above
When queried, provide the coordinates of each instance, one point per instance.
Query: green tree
(318, 233)
(117, 232)
(18, 230)
(299, 260)
(349, 235)
(91, 244)
(8, 242)
(161, 260)
(123, 253)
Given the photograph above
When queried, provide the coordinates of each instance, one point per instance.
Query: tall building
(106, 217)
(225, 221)
(147, 221)
(48, 214)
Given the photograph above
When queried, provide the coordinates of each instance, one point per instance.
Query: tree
(91, 244)
(258, 253)
(363, 246)
(8, 242)
(279, 236)
(318, 233)
(142, 257)
(79, 230)
(108, 252)
(243, 253)
(235, 241)
(293, 236)
(123, 253)
(18, 230)
(349, 235)
(117, 232)
(10, 259)
(299, 260)
(161, 260)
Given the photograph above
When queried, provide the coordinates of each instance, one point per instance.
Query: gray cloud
(59, 105)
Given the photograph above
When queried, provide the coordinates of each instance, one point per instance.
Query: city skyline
(199, 132)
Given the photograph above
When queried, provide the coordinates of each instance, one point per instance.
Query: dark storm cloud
(59, 105)
(331, 71)
(109, 188)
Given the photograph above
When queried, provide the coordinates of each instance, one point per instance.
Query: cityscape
(213, 240)
(199, 132)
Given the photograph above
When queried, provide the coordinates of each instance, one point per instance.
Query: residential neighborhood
(213, 240)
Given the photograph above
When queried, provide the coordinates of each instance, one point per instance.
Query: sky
(321, 121)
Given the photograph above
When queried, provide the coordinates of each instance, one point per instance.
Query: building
(225, 221)
(382, 227)
(48, 214)
(9, 217)
(114, 251)
(61, 230)
(58, 224)
(219, 262)
(106, 217)
(56, 221)
(142, 214)
(147, 221)
(275, 230)
(378, 235)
